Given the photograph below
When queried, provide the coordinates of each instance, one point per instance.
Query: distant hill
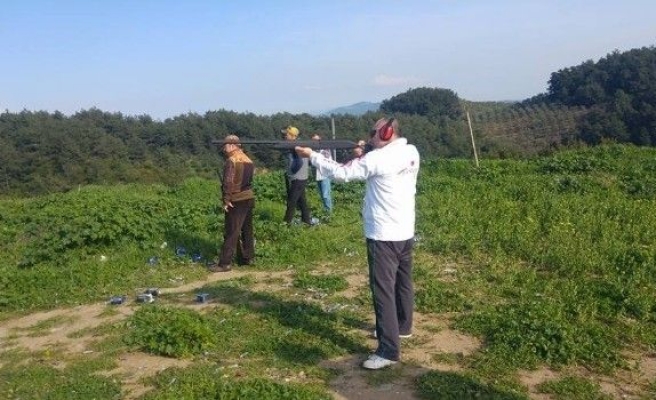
(354, 109)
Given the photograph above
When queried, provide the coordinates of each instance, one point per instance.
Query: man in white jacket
(390, 171)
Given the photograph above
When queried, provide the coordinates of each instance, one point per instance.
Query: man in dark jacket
(238, 204)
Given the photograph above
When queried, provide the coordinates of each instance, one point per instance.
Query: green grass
(451, 386)
(209, 382)
(571, 387)
(38, 381)
(549, 262)
(326, 283)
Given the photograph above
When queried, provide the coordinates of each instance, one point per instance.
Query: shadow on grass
(452, 386)
(299, 316)
(188, 245)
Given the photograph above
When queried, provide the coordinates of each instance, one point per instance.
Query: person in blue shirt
(323, 182)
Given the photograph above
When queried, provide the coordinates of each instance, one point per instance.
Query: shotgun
(290, 144)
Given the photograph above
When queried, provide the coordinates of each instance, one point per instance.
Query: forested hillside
(613, 99)
(620, 90)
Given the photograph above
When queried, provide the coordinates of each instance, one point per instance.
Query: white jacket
(317, 173)
(391, 184)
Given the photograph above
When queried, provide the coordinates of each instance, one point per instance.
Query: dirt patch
(133, 367)
(420, 354)
(532, 379)
(354, 382)
(24, 332)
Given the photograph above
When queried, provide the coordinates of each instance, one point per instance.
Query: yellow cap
(291, 131)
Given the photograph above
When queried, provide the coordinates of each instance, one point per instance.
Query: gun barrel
(290, 144)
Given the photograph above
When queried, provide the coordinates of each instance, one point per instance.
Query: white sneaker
(375, 335)
(377, 362)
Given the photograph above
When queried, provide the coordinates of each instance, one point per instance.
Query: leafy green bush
(528, 332)
(97, 217)
(169, 331)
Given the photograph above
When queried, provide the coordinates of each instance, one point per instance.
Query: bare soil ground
(432, 340)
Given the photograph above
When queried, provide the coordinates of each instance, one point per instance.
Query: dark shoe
(219, 268)
(246, 263)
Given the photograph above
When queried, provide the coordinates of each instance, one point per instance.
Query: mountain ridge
(356, 109)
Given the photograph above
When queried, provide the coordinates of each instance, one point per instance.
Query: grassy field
(550, 263)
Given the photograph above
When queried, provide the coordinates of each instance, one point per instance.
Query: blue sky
(165, 58)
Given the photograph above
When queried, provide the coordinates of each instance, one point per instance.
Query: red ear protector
(386, 131)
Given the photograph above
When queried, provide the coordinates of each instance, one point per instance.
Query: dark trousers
(390, 280)
(296, 199)
(238, 233)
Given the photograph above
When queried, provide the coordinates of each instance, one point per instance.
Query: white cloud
(386, 80)
(312, 87)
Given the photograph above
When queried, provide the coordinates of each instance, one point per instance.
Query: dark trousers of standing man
(390, 280)
(296, 198)
(238, 233)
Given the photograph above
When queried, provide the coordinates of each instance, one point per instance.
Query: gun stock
(290, 144)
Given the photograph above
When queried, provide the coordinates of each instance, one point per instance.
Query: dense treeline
(43, 152)
(610, 100)
(620, 89)
(437, 104)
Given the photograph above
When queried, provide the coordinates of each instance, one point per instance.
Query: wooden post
(471, 133)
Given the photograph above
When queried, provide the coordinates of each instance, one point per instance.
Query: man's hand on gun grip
(304, 152)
